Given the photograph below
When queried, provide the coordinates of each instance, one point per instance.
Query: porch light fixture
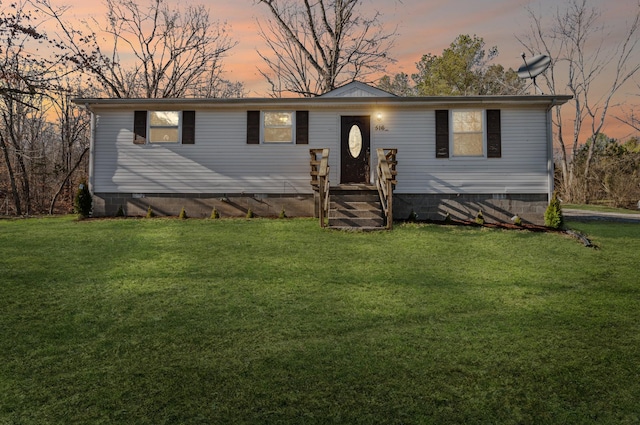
(379, 123)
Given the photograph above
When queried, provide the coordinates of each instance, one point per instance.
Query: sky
(422, 26)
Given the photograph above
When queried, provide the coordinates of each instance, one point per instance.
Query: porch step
(355, 207)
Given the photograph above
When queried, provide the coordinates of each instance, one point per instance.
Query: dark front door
(354, 152)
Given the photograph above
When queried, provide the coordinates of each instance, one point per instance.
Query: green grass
(169, 321)
(600, 208)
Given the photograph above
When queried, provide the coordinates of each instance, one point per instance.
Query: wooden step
(356, 223)
(347, 204)
(355, 207)
(355, 213)
(364, 198)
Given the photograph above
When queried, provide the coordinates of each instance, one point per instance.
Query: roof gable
(357, 89)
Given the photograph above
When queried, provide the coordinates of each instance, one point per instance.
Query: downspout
(550, 165)
(92, 139)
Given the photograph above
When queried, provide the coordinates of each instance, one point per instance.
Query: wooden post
(320, 180)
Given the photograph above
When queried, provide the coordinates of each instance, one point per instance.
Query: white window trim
(452, 136)
(149, 127)
(263, 127)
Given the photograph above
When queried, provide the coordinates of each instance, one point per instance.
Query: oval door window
(355, 141)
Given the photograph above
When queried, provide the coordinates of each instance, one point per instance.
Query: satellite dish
(534, 67)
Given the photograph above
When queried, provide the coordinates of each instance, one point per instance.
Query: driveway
(582, 215)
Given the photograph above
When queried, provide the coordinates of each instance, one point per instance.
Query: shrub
(120, 212)
(249, 213)
(413, 217)
(447, 218)
(183, 214)
(83, 200)
(553, 215)
(150, 213)
(480, 218)
(215, 214)
(516, 220)
(282, 214)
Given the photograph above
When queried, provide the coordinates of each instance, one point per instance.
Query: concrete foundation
(496, 208)
(201, 205)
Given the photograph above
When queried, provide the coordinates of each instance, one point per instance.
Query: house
(455, 155)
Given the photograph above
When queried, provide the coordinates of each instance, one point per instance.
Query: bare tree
(176, 53)
(72, 136)
(316, 46)
(630, 115)
(16, 154)
(25, 78)
(631, 118)
(575, 43)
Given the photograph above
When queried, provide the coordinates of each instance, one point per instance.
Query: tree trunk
(20, 158)
(12, 179)
(587, 171)
(64, 182)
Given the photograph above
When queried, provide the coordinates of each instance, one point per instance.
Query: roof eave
(548, 100)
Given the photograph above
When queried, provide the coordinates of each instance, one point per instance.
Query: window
(472, 133)
(468, 134)
(278, 127)
(164, 127)
(355, 141)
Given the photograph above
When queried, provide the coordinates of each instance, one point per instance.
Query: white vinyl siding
(222, 162)
(521, 169)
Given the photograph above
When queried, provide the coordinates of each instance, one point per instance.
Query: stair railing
(386, 181)
(320, 180)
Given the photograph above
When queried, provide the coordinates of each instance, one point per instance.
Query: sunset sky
(422, 27)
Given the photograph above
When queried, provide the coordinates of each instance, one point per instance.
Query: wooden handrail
(386, 181)
(320, 180)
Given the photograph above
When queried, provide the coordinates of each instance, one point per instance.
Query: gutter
(323, 102)
(550, 161)
(92, 144)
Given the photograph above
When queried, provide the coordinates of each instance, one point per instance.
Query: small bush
(282, 214)
(553, 215)
(249, 213)
(480, 218)
(447, 218)
(516, 220)
(215, 214)
(120, 212)
(150, 213)
(183, 214)
(413, 217)
(83, 200)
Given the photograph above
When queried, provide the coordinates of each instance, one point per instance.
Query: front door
(354, 152)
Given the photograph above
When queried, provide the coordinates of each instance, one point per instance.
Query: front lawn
(163, 321)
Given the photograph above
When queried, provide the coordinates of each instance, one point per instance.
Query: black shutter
(442, 133)
(188, 127)
(140, 127)
(494, 138)
(253, 127)
(302, 127)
